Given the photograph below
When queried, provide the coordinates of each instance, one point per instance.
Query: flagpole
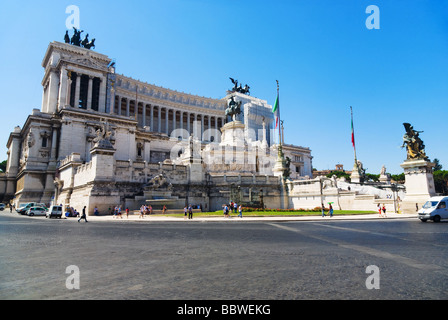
(279, 132)
(353, 136)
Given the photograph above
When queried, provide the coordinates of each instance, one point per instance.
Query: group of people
(145, 210)
(188, 209)
(330, 210)
(232, 206)
(382, 210)
(117, 212)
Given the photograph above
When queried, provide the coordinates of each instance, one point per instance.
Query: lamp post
(394, 188)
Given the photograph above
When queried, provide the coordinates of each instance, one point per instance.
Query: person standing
(384, 210)
(240, 211)
(379, 210)
(331, 210)
(323, 210)
(190, 212)
(127, 212)
(83, 216)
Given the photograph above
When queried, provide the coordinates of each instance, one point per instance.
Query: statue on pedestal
(233, 107)
(239, 88)
(414, 145)
(76, 39)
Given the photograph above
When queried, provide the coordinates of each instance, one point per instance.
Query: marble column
(144, 115)
(159, 120)
(167, 112)
(89, 93)
(151, 117)
(63, 86)
(53, 91)
(102, 97)
(77, 90)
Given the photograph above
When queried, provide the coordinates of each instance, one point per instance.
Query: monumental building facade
(103, 139)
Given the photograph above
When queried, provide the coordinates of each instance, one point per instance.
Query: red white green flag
(353, 130)
(276, 111)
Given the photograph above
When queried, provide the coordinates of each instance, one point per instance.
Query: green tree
(372, 177)
(3, 166)
(437, 166)
(339, 174)
(440, 178)
(398, 178)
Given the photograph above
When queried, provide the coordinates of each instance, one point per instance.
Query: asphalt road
(398, 259)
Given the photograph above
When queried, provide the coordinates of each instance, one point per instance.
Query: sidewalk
(234, 218)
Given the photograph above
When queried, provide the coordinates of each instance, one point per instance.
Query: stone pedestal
(233, 134)
(192, 159)
(355, 177)
(419, 183)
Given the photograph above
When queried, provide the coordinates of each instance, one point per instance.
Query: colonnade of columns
(84, 91)
(166, 120)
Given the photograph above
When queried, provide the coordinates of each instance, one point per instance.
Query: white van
(435, 209)
(54, 211)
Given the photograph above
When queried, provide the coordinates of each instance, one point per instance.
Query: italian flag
(275, 110)
(353, 130)
(353, 134)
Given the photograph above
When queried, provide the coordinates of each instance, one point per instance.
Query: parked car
(435, 209)
(36, 211)
(2, 206)
(54, 211)
(26, 206)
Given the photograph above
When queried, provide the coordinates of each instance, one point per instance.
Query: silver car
(36, 211)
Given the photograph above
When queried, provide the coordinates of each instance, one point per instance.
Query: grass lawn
(275, 214)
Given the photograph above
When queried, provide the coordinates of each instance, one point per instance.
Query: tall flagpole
(278, 97)
(357, 175)
(353, 136)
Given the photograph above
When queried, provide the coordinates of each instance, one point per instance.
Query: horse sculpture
(76, 39)
(234, 108)
(239, 88)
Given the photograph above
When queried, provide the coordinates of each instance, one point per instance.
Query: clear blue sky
(324, 57)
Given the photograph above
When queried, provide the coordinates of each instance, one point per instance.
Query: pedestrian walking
(240, 211)
(331, 210)
(379, 210)
(185, 212)
(83, 216)
(96, 212)
(226, 211)
(323, 211)
(384, 210)
(164, 210)
(127, 212)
